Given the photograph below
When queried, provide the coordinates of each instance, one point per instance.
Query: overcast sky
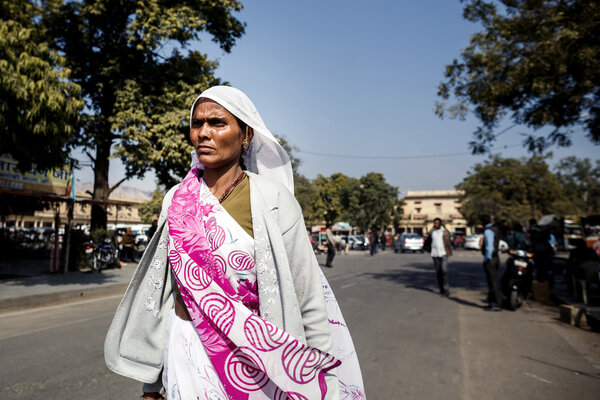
(357, 78)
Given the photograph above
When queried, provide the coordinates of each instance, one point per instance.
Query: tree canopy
(511, 190)
(138, 77)
(580, 181)
(535, 61)
(39, 105)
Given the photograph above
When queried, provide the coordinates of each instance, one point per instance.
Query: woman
(228, 300)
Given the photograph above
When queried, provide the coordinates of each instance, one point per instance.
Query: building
(421, 207)
(123, 207)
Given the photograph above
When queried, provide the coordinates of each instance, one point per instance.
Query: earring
(245, 142)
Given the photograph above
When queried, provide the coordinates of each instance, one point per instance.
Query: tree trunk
(101, 188)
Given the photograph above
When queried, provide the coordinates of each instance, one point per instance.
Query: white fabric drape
(264, 155)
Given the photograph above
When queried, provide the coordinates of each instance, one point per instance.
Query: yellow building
(124, 203)
(421, 207)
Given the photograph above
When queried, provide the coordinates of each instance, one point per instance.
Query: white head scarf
(264, 155)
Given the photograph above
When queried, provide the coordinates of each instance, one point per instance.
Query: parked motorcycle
(100, 254)
(517, 278)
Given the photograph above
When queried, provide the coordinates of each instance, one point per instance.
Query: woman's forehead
(207, 107)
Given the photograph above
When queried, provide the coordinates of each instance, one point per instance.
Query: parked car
(472, 243)
(357, 242)
(409, 242)
(458, 239)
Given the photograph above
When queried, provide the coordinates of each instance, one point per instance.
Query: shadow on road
(422, 276)
(593, 376)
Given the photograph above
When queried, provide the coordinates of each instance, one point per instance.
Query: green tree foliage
(369, 202)
(138, 79)
(511, 190)
(580, 181)
(305, 194)
(536, 61)
(151, 209)
(327, 204)
(39, 106)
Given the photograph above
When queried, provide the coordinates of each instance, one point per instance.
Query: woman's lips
(204, 149)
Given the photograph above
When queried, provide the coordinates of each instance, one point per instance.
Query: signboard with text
(58, 181)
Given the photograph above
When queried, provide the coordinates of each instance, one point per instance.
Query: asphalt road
(412, 343)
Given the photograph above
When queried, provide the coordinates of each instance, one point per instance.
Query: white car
(472, 243)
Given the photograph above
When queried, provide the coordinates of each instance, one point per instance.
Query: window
(418, 210)
(438, 207)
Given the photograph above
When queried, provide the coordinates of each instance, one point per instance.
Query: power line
(393, 157)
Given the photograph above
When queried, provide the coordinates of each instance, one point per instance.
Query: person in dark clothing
(152, 229)
(331, 242)
(542, 251)
(577, 257)
(517, 240)
(489, 248)
(373, 240)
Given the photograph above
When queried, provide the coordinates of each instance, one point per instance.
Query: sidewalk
(29, 286)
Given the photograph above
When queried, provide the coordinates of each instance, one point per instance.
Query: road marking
(58, 325)
(534, 376)
(348, 285)
(55, 306)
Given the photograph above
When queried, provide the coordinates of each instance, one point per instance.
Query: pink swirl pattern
(244, 370)
(301, 363)
(240, 260)
(220, 261)
(214, 233)
(175, 260)
(263, 335)
(219, 310)
(194, 277)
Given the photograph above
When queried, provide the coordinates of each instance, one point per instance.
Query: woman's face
(216, 135)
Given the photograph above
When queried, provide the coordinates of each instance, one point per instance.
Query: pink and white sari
(228, 351)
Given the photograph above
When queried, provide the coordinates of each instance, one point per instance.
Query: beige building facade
(123, 209)
(421, 207)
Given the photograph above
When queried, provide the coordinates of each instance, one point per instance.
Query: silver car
(409, 242)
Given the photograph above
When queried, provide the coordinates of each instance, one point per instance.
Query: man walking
(489, 248)
(441, 249)
(330, 246)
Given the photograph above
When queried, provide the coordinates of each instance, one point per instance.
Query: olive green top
(237, 204)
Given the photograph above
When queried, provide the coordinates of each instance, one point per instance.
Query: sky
(356, 82)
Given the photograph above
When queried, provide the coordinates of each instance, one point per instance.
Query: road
(412, 343)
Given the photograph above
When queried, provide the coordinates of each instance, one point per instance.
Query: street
(412, 343)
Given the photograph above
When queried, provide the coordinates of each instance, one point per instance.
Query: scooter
(103, 253)
(517, 278)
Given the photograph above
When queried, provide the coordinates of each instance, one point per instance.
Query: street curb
(47, 299)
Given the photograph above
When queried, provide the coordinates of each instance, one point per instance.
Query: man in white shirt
(441, 249)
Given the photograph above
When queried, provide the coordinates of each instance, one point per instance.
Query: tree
(138, 79)
(510, 190)
(151, 208)
(369, 202)
(580, 181)
(535, 60)
(327, 202)
(39, 106)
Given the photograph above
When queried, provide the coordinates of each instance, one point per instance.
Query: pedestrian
(347, 244)
(491, 262)
(331, 244)
(517, 240)
(541, 244)
(373, 241)
(441, 249)
(128, 242)
(152, 230)
(382, 239)
(229, 300)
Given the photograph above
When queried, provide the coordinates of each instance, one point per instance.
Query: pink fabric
(253, 358)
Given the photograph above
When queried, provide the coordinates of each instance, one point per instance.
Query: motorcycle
(517, 278)
(103, 253)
